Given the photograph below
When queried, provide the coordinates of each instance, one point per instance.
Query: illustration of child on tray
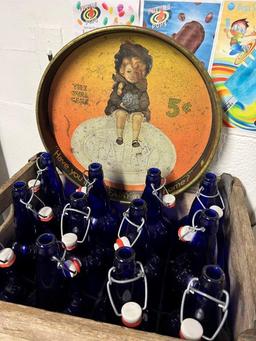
(129, 99)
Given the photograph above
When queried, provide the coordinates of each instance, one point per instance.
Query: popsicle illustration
(242, 84)
(191, 35)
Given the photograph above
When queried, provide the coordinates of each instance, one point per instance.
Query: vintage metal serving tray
(129, 98)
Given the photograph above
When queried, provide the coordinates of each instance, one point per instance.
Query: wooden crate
(25, 323)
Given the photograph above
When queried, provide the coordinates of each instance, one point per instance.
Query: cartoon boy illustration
(236, 34)
(129, 98)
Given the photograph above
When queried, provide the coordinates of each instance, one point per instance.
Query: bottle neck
(124, 263)
(209, 219)
(137, 211)
(97, 197)
(78, 201)
(209, 184)
(52, 188)
(47, 245)
(20, 192)
(212, 280)
(153, 181)
(24, 220)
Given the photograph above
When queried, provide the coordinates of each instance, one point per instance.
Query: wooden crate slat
(25, 173)
(36, 324)
(242, 263)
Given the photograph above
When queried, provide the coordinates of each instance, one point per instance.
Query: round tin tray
(138, 84)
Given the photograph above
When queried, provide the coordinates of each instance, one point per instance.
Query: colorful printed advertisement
(234, 67)
(192, 24)
(89, 15)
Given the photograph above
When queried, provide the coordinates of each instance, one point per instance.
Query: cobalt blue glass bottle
(77, 217)
(25, 229)
(12, 288)
(202, 305)
(104, 223)
(189, 329)
(194, 250)
(207, 196)
(123, 284)
(133, 226)
(47, 222)
(73, 285)
(51, 185)
(69, 186)
(204, 242)
(36, 202)
(158, 231)
(169, 209)
(49, 280)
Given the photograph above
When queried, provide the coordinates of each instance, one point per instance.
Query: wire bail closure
(156, 190)
(198, 194)
(138, 227)
(193, 228)
(140, 275)
(87, 184)
(221, 304)
(28, 203)
(66, 211)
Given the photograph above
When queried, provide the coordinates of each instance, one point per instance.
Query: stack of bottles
(138, 266)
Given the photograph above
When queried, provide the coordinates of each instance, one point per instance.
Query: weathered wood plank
(25, 173)
(242, 264)
(248, 335)
(34, 324)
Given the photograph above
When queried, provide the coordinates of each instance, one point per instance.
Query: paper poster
(192, 24)
(234, 66)
(89, 15)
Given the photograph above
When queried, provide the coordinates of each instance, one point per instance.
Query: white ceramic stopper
(131, 314)
(45, 213)
(69, 240)
(34, 185)
(169, 200)
(217, 209)
(121, 242)
(7, 257)
(191, 329)
(185, 234)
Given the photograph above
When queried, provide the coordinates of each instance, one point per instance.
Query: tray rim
(213, 95)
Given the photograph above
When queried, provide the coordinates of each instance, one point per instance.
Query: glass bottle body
(51, 185)
(48, 277)
(158, 232)
(205, 311)
(12, 286)
(25, 224)
(104, 222)
(125, 268)
(136, 230)
(77, 220)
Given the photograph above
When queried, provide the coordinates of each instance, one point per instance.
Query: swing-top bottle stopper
(69, 240)
(45, 213)
(191, 329)
(131, 314)
(34, 185)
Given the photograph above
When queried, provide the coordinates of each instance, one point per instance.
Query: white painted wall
(28, 28)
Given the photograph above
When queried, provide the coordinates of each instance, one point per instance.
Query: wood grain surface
(25, 173)
(241, 258)
(24, 323)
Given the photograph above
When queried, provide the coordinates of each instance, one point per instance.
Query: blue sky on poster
(193, 11)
